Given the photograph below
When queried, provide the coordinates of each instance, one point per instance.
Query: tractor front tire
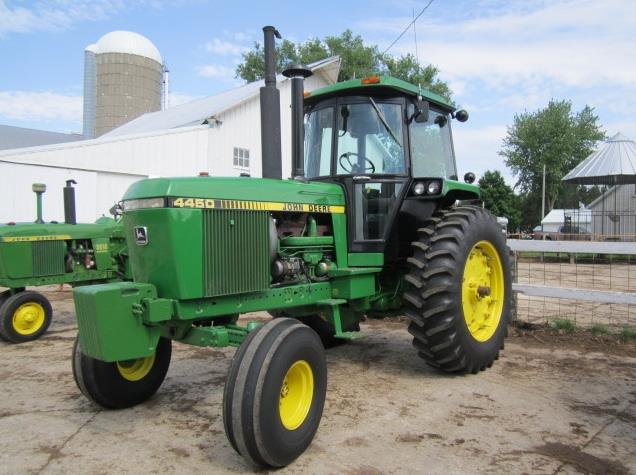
(24, 316)
(459, 289)
(325, 329)
(275, 393)
(124, 383)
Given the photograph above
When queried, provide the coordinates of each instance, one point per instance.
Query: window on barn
(241, 158)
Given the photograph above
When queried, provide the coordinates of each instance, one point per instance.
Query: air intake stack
(270, 110)
(39, 189)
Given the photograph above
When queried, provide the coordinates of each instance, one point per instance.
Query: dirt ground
(548, 405)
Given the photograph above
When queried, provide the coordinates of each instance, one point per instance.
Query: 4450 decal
(211, 203)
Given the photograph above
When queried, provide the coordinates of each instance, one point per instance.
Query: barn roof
(197, 111)
(18, 137)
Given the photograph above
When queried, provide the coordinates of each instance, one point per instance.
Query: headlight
(418, 188)
(130, 205)
(433, 187)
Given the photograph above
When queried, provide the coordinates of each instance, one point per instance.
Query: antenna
(417, 56)
(166, 86)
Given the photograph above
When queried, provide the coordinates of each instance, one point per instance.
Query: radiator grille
(48, 258)
(236, 251)
(85, 313)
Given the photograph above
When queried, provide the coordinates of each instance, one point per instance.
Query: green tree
(555, 137)
(409, 69)
(357, 60)
(572, 195)
(499, 198)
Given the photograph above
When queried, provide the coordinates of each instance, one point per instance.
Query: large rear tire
(459, 289)
(275, 393)
(24, 316)
(124, 383)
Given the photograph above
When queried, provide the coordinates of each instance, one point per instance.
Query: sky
(500, 57)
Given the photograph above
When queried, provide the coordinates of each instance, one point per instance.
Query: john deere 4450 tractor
(373, 222)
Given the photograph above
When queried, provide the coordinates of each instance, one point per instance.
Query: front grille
(235, 251)
(48, 258)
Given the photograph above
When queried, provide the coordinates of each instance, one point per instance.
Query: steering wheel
(351, 166)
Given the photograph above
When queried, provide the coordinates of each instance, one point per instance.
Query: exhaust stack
(39, 189)
(270, 110)
(297, 73)
(69, 202)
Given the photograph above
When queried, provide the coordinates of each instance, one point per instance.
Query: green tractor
(39, 253)
(374, 222)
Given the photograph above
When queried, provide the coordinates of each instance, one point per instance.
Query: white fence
(589, 282)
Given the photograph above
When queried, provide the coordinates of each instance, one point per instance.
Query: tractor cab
(388, 144)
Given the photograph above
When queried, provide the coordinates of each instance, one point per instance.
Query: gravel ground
(542, 408)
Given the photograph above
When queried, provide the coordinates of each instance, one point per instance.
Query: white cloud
(242, 36)
(476, 150)
(215, 71)
(40, 106)
(54, 15)
(502, 57)
(576, 43)
(60, 15)
(626, 127)
(224, 47)
(176, 98)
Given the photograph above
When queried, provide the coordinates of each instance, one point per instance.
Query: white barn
(219, 134)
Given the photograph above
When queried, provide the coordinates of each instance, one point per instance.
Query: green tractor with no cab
(38, 253)
(374, 222)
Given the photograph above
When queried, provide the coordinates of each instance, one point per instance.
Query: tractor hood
(241, 189)
(29, 232)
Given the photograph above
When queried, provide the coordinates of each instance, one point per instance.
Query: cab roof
(377, 83)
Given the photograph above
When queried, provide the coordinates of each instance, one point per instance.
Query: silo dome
(128, 42)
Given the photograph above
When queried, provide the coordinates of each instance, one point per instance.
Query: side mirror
(469, 177)
(421, 110)
(461, 115)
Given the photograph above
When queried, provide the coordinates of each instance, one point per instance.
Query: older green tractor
(37, 254)
(373, 222)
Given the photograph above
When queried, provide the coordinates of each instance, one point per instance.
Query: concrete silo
(89, 91)
(128, 72)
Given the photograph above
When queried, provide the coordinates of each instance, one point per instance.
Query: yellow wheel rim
(483, 291)
(135, 370)
(296, 395)
(28, 318)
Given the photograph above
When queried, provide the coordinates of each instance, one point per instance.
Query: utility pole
(543, 200)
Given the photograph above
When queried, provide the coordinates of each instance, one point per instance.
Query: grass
(599, 329)
(628, 333)
(567, 326)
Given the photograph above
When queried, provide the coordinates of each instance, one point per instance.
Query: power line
(408, 26)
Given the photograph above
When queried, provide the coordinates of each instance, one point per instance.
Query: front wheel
(275, 393)
(459, 290)
(325, 330)
(123, 383)
(24, 316)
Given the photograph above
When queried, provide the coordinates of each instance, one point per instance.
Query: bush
(567, 326)
(600, 329)
(628, 333)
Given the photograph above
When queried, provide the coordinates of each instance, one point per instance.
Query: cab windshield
(432, 147)
(369, 139)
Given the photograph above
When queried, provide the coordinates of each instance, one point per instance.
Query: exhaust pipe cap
(297, 71)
